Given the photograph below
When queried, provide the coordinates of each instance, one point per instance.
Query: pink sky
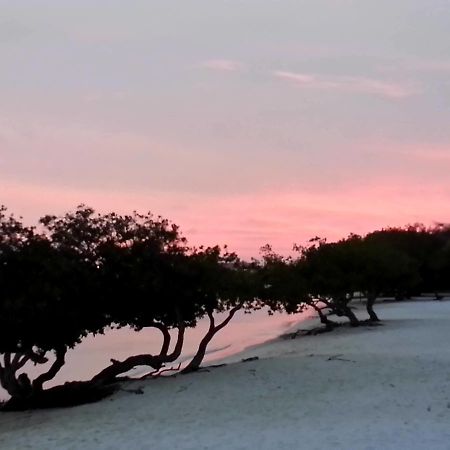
(244, 125)
(247, 221)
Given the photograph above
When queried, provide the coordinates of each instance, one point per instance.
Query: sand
(384, 387)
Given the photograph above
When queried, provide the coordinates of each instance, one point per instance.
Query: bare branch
(166, 338)
(158, 373)
(60, 354)
(7, 358)
(22, 361)
(201, 352)
(231, 314)
(211, 319)
(16, 358)
(178, 345)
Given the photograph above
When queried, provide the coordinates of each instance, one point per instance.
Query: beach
(95, 352)
(371, 387)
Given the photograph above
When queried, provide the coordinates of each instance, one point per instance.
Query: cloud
(360, 85)
(431, 66)
(417, 65)
(222, 65)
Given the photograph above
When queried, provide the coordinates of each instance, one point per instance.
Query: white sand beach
(385, 387)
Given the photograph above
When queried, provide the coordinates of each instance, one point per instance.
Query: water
(95, 352)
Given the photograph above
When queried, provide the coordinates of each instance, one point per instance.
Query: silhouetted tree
(84, 272)
(44, 301)
(150, 278)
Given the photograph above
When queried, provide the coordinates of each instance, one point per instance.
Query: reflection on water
(95, 352)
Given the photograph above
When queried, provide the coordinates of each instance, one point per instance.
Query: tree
(382, 269)
(329, 269)
(41, 305)
(227, 284)
(150, 278)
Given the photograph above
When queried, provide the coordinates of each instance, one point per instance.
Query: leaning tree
(85, 272)
(44, 299)
(329, 270)
(383, 269)
(150, 278)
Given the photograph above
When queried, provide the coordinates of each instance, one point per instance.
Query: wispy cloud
(417, 66)
(361, 85)
(223, 65)
(431, 66)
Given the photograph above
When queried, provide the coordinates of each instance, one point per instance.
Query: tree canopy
(84, 272)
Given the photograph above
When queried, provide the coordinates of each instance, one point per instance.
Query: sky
(245, 122)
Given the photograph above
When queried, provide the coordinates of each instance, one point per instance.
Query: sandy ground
(384, 387)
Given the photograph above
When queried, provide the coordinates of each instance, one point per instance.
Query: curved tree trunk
(369, 307)
(20, 388)
(60, 354)
(17, 387)
(323, 318)
(341, 308)
(109, 374)
(212, 331)
(178, 346)
(166, 338)
(8, 378)
(354, 321)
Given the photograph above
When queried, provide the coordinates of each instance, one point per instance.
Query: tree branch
(231, 314)
(108, 374)
(37, 358)
(178, 345)
(7, 359)
(166, 339)
(195, 362)
(211, 319)
(158, 373)
(21, 362)
(16, 358)
(60, 354)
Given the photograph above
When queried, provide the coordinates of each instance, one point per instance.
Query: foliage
(84, 272)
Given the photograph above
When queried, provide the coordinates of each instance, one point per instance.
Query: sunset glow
(245, 124)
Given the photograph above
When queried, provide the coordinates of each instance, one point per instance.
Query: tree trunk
(166, 339)
(60, 354)
(178, 346)
(10, 383)
(17, 387)
(354, 322)
(323, 318)
(369, 307)
(212, 331)
(340, 307)
(109, 374)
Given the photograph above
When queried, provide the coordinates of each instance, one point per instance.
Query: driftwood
(338, 358)
(253, 358)
(311, 332)
(159, 372)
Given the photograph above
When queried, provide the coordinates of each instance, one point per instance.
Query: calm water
(95, 352)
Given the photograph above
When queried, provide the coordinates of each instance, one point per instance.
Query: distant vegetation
(393, 262)
(83, 272)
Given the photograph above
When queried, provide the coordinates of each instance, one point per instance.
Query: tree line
(85, 272)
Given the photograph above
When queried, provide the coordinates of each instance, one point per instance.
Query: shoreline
(354, 388)
(308, 318)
